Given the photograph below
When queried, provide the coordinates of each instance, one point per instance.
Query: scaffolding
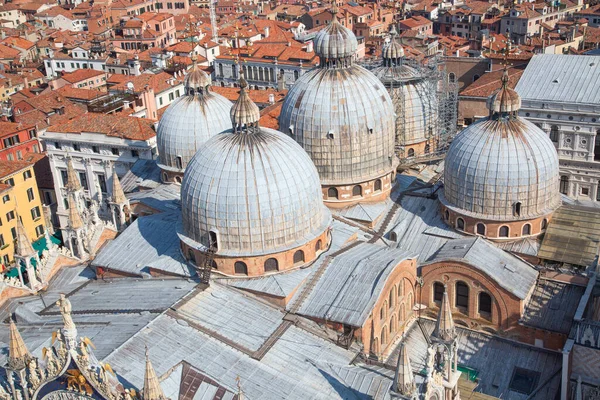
(426, 107)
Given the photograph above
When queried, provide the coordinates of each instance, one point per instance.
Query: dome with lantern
(251, 196)
(501, 174)
(188, 122)
(341, 114)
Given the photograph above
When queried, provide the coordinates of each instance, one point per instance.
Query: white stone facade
(94, 156)
(575, 131)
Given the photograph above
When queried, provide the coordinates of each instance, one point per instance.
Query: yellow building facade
(19, 198)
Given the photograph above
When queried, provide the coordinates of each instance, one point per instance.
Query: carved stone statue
(65, 309)
(34, 375)
(4, 394)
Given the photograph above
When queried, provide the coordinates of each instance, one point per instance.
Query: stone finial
(75, 221)
(23, 245)
(152, 389)
(18, 354)
(73, 183)
(118, 196)
(444, 327)
(404, 381)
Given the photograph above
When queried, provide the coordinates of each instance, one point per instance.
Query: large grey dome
(498, 162)
(341, 114)
(190, 121)
(259, 191)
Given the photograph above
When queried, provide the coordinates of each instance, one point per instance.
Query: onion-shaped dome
(341, 114)
(502, 167)
(190, 121)
(251, 191)
(335, 42)
(392, 52)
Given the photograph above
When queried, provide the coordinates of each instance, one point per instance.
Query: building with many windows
(561, 95)
(16, 139)
(19, 198)
(96, 144)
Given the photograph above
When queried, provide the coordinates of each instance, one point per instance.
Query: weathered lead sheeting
(233, 315)
(552, 305)
(366, 212)
(352, 283)
(287, 371)
(344, 119)
(510, 272)
(140, 245)
(259, 193)
(562, 79)
(416, 217)
(476, 350)
(494, 164)
(572, 236)
(526, 246)
(187, 124)
(163, 198)
(281, 284)
(144, 174)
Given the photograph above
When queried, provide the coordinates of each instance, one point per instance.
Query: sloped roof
(511, 273)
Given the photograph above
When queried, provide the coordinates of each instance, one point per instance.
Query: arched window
(409, 302)
(544, 224)
(411, 152)
(271, 265)
(402, 314)
(296, 75)
(451, 77)
(462, 295)
(427, 148)
(554, 133)
(221, 69)
(384, 336)
(517, 209)
(392, 297)
(332, 193)
(213, 242)
(240, 268)
(526, 229)
(165, 177)
(460, 224)
(392, 325)
(377, 186)
(447, 215)
(298, 257)
(503, 232)
(394, 236)
(485, 303)
(192, 256)
(357, 191)
(475, 77)
(382, 313)
(318, 245)
(178, 179)
(564, 184)
(438, 292)
(179, 162)
(480, 229)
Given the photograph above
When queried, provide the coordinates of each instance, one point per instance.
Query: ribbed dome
(498, 162)
(344, 119)
(335, 41)
(244, 111)
(190, 121)
(196, 79)
(505, 99)
(392, 50)
(257, 190)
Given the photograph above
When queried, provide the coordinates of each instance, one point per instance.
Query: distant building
(16, 139)
(561, 95)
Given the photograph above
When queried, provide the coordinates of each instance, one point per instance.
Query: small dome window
(330, 135)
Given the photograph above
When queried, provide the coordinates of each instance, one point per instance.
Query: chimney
(267, 31)
(271, 98)
(309, 46)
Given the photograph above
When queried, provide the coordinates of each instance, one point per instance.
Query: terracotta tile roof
(80, 94)
(10, 167)
(81, 75)
(18, 42)
(8, 52)
(6, 128)
(131, 128)
(415, 21)
(158, 82)
(269, 117)
(489, 82)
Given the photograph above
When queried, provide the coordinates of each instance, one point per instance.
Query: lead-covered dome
(190, 121)
(252, 191)
(335, 40)
(502, 168)
(341, 114)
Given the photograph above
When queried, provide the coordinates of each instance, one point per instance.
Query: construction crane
(213, 21)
